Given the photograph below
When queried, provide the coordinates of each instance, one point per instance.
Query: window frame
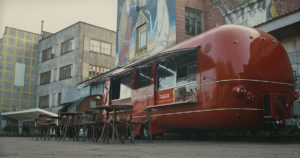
(116, 87)
(140, 83)
(59, 99)
(63, 74)
(197, 22)
(95, 70)
(179, 79)
(67, 46)
(47, 54)
(93, 46)
(138, 38)
(103, 48)
(44, 101)
(45, 77)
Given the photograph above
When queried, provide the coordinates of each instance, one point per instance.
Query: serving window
(176, 79)
(121, 87)
(143, 77)
(166, 75)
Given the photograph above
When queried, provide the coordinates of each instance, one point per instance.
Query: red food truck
(231, 77)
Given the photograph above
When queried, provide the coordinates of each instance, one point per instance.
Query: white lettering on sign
(164, 96)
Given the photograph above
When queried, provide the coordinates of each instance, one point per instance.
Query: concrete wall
(87, 57)
(80, 59)
(55, 86)
(292, 46)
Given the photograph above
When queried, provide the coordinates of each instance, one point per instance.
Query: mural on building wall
(246, 12)
(160, 29)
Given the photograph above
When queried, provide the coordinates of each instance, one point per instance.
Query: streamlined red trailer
(231, 77)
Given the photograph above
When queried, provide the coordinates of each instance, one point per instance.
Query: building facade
(145, 27)
(19, 57)
(71, 56)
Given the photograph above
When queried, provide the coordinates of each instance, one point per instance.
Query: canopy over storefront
(27, 115)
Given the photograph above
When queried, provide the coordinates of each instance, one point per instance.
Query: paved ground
(24, 147)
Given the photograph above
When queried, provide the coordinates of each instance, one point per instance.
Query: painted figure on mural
(243, 13)
(158, 23)
(106, 99)
(161, 27)
(124, 33)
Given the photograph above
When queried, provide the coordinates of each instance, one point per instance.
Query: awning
(161, 56)
(74, 105)
(27, 115)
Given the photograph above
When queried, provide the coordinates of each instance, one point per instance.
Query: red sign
(165, 97)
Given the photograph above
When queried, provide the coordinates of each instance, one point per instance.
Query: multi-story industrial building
(71, 56)
(19, 56)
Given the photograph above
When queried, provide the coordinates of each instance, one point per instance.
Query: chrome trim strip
(206, 110)
(251, 80)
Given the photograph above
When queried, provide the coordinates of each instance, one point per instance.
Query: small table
(121, 114)
(105, 129)
(69, 123)
(53, 124)
(44, 124)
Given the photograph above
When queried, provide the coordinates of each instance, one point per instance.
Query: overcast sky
(57, 14)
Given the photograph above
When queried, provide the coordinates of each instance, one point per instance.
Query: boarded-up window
(19, 74)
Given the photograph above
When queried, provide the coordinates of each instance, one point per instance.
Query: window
(125, 86)
(143, 77)
(65, 72)
(47, 54)
(176, 77)
(58, 99)
(100, 47)
(177, 71)
(45, 77)
(93, 103)
(115, 89)
(105, 48)
(95, 46)
(121, 87)
(192, 21)
(44, 101)
(141, 44)
(166, 73)
(67, 46)
(186, 69)
(96, 70)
